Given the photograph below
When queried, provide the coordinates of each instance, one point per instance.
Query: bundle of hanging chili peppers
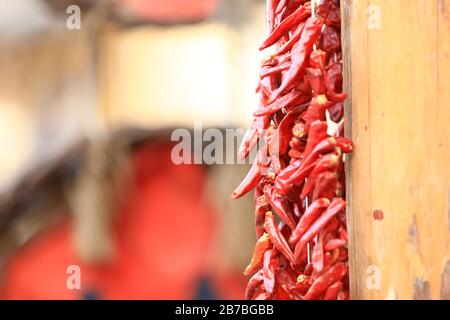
(298, 174)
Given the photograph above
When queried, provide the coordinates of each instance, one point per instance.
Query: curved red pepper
(290, 22)
(334, 17)
(252, 136)
(326, 163)
(334, 244)
(255, 281)
(276, 237)
(281, 206)
(333, 291)
(279, 104)
(334, 208)
(331, 41)
(291, 175)
(317, 254)
(343, 295)
(317, 132)
(281, 5)
(311, 214)
(321, 284)
(269, 269)
(266, 72)
(324, 146)
(283, 134)
(316, 110)
(290, 43)
(325, 186)
(318, 60)
(317, 81)
(261, 246)
(345, 144)
(261, 207)
(254, 176)
(300, 53)
(271, 7)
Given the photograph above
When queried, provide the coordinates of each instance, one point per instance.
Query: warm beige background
(58, 85)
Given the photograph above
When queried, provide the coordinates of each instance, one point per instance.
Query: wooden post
(397, 70)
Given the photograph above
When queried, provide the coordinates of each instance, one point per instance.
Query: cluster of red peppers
(298, 174)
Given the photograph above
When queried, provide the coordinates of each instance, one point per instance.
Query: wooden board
(397, 71)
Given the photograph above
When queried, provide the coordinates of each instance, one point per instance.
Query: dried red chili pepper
(277, 105)
(300, 53)
(316, 79)
(324, 146)
(308, 187)
(334, 244)
(334, 76)
(281, 206)
(321, 284)
(276, 237)
(290, 175)
(261, 246)
(261, 207)
(249, 140)
(334, 208)
(282, 137)
(266, 72)
(290, 43)
(302, 285)
(331, 41)
(252, 135)
(316, 110)
(306, 166)
(317, 132)
(269, 266)
(334, 17)
(255, 281)
(295, 154)
(290, 22)
(333, 291)
(286, 277)
(318, 60)
(343, 295)
(262, 296)
(325, 186)
(317, 258)
(280, 7)
(271, 7)
(345, 144)
(254, 176)
(309, 270)
(326, 163)
(281, 294)
(310, 215)
(299, 130)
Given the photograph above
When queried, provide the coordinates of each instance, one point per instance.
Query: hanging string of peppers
(298, 174)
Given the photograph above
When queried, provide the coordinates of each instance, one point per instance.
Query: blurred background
(86, 177)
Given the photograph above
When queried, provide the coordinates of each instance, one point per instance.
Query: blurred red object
(163, 237)
(168, 10)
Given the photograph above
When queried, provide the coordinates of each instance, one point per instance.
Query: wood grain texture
(398, 79)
